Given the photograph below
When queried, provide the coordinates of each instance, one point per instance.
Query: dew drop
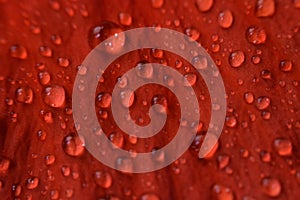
(24, 95)
(127, 98)
(72, 145)
(265, 156)
(49, 159)
(249, 97)
(157, 53)
(44, 78)
(45, 51)
(103, 100)
(56, 39)
(190, 79)
(54, 96)
(18, 51)
(157, 3)
(4, 165)
(32, 183)
(103, 179)
(283, 146)
(266, 74)
(271, 186)
(162, 100)
(265, 8)
(193, 33)
(286, 65)
(54, 194)
(225, 19)
(117, 139)
(125, 19)
(236, 58)
(144, 70)
(231, 121)
(63, 62)
(256, 35)
(223, 161)
(296, 3)
(204, 5)
(124, 164)
(222, 193)
(263, 103)
(65, 170)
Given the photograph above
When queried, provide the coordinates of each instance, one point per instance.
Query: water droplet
(222, 193)
(263, 103)
(24, 95)
(283, 146)
(231, 121)
(69, 193)
(63, 62)
(103, 100)
(56, 39)
(55, 5)
(223, 161)
(149, 196)
(256, 35)
(157, 53)
(45, 51)
(255, 59)
(204, 5)
(265, 8)
(105, 30)
(286, 65)
(144, 70)
(32, 183)
(44, 78)
(103, 179)
(72, 145)
(225, 19)
(249, 97)
(65, 170)
(190, 79)
(265, 156)
(236, 58)
(122, 81)
(157, 3)
(193, 33)
(124, 164)
(54, 96)
(125, 19)
(158, 156)
(42, 135)
(54, 194)
(266, 115)
(159, 99)
(271, 186)
(127, 98)
(117, 139)
(4, 165)
(296, 3)
(49, 159)
(266, 74)
(18, 51)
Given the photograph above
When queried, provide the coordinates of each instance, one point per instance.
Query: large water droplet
(256, 35)
(54, 96)
(103, 179)
(18, 51)
(236, 58)
(225, 19)
(72, 145)
(204, 5)
(283, 146)
(271, 186)
(265, 8)
(24, 95)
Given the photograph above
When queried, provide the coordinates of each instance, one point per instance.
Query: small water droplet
(72, 145)
(125, 19)
(283, 146)
(157, 3)
(45, 51)
(204, 5)
(265, 156)
(223, 161)
(18, 51)
(157, 53)
(225, 18)
(24, 95)
(63, 62)
(4, 165)
(222, 193)
(266, 74)
(44, 78)
(54, 194)
(149, 196)
(193, 33)
(117, 139)
(190, 79)
(127, 98)
(231, 121)
(263, 103)
(265, 8)
(17, 189)
(103, 179)
(124, 164)
(41, 135)
(56, 39)
(256, 35)
(236, 58)
(144, 70)
(103, 100)
(54, 96)
(32, 183)
(159, 99)
(249, 97)
(286, 65)
(49, 159)
(65, 170)
(271, 186)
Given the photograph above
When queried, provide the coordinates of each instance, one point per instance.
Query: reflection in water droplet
(54, 96)
(103, 179)
(256, 35)
(18, 51)
(204, 5)
(271, 186)
(225, 19)
(283, 146)
(157, 53)
(72, 145)
(24, 95)
(32, 183)
(236, 58)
